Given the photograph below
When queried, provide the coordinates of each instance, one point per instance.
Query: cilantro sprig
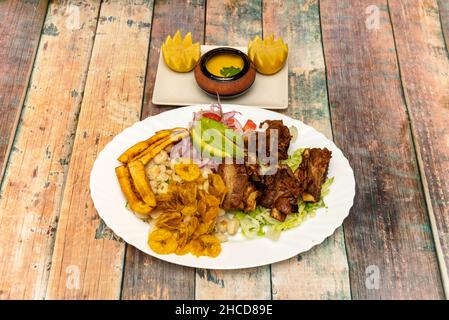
(229, 71)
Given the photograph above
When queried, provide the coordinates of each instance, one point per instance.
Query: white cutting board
(180, 89)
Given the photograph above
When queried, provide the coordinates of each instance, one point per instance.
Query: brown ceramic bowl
(226, 87)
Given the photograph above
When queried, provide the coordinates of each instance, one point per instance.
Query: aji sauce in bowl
(225, 71)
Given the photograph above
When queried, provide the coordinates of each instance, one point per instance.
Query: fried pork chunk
(280, 192)
(312, 172)
(242, 194)
(284, 137)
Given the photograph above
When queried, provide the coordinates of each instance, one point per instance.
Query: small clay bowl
(226, 87)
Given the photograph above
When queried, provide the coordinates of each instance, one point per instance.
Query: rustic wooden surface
(112, 101)
(388, 233)
(374, 75)
(41, 151)
(425, 65)
(21, 23)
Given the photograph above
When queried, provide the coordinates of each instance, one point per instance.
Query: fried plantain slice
(162, 241)
(137, 172)
(134, 202)
(141, 146)
(153, 150)
(188, 171)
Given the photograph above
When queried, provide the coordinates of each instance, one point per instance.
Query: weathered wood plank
(388, 237)
(169, 16)
(146, 277)
(233, 23)
(85, 264)
(309, 275)
(20, 25)
(32, 187)
(444, 17)
(424, 68)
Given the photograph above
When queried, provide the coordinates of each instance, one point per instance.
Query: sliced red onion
(219, 105)
(238, 126)
(229, 115)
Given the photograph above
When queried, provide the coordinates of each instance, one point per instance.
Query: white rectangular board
(180, 89)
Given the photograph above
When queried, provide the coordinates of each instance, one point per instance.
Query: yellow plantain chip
(187, 194)
(211, 245)
(217, 186)
(169, 220)
(211, 213)
(162, 241)
(187, 171)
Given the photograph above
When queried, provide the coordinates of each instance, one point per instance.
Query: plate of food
(222, 186)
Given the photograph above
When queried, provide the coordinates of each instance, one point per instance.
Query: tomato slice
(249, 125)
(212, 116)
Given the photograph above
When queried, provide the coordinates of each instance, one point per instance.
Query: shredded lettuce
(256, 222)
(294, 160)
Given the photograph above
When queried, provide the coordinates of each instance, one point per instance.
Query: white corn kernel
(163, 187)
(163, 177)
(233, 226)
(222, 226)
(153, 184)
(176, 178)
(221, 237)
(162, 168)
(160, 157)
(153, 171)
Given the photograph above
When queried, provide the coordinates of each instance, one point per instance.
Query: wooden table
(371, 74)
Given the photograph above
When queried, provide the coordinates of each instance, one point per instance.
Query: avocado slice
(214, 148)
(201, 145)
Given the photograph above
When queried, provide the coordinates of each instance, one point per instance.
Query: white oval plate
(238, 252)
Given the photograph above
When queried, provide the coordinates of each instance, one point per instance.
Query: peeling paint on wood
(50, 30)
(170, 16)
(444, 16)
(233, 22)
(32, 186)
(112, 101)
(233, 284)
(387, 258)
(21, 23)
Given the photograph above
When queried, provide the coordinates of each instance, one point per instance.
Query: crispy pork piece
(280, 192)
(242, 194)
(284, 137)
(312, 172)
(250, 197)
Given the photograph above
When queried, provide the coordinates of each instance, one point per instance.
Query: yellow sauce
(223, 60)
